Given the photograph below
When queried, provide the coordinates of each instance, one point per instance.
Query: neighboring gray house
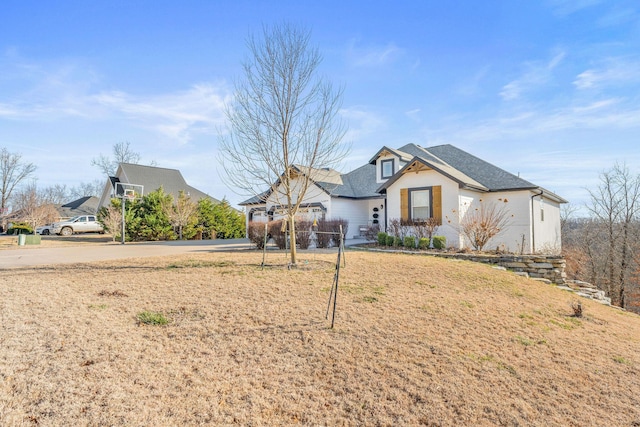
(152, 178)
(441, 182)
(87, 205)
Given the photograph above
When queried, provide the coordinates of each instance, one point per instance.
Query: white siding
(450, 204)
(356, 212)
(547, 237)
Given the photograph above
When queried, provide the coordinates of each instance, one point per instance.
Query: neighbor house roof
(83, 206)
(152, 178)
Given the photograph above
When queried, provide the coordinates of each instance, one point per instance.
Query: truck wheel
(67, 231)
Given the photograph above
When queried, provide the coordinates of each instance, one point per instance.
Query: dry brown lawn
(418, 341)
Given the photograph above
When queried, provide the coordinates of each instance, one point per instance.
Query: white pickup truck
(77, 224)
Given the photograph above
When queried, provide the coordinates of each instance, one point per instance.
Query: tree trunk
(292, 236)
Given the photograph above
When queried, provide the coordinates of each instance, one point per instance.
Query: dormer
(388, 162)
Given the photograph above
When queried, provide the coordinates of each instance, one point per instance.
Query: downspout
(533, 223)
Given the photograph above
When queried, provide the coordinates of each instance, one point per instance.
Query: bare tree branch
(12, 172)
(283, 123)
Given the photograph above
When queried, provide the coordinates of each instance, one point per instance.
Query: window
(387, 167)
(420, 204)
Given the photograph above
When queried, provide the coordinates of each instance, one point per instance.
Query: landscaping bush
(303, 233)
(423, 243)
(20, 228)
(382, 238)
(329, 230)
(397, 241)
(256, 233)
(410, 242)
(390, 240)
(275, 231)
(439, 242)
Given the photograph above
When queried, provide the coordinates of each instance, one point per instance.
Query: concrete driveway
(30, 256)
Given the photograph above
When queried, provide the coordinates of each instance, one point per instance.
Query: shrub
(303, 233)
(439, 242)
(20, 228)
(275, 231)
(329, 230)
(256, 233)
(397, 241)
(409, 242)
(423, 243)
(390, 240)
(382, 238)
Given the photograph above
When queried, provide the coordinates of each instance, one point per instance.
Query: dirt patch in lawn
(418, 340)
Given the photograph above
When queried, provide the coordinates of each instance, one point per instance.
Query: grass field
(417, 341)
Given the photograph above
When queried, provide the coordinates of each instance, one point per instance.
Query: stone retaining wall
(550, 267)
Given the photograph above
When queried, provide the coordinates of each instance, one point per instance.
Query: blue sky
(546, 89)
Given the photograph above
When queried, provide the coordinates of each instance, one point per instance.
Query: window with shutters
(420, 204)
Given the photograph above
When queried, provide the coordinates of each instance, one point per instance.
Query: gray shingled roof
(466, 169)
(357, 184)
(399, 153)
(490, 176)
(152, 178)
(87, 205)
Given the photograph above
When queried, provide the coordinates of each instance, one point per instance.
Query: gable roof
(386, 151)
(357, 184)
(152, 178)
(465, 169)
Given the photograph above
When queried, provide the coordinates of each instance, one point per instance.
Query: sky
(548, 90)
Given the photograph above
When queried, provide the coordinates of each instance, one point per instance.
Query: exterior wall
(516, 237)
(547, 237)
(355, 212)
(450, 203)
(358, 213)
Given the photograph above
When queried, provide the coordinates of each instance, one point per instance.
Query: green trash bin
(22, 239)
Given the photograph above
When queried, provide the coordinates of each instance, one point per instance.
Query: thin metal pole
(264, 245)
(335, 294)
(123, 219)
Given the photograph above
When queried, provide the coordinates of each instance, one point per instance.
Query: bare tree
(122, 153)
(12, 172)
(87, 189)
(483, 222)
(615, 204)
(33, 208)
(283, 124)
(111, 217)
(182, 212)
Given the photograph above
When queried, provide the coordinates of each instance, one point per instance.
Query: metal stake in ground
(333, 295)
(264, 244)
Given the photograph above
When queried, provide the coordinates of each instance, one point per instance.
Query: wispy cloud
(613, 71)
(178, 116)
(568, 7)
(362, 123)
(372, 56)
(537, 74)
(39, 92)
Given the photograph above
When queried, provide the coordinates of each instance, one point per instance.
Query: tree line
(604, 247)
